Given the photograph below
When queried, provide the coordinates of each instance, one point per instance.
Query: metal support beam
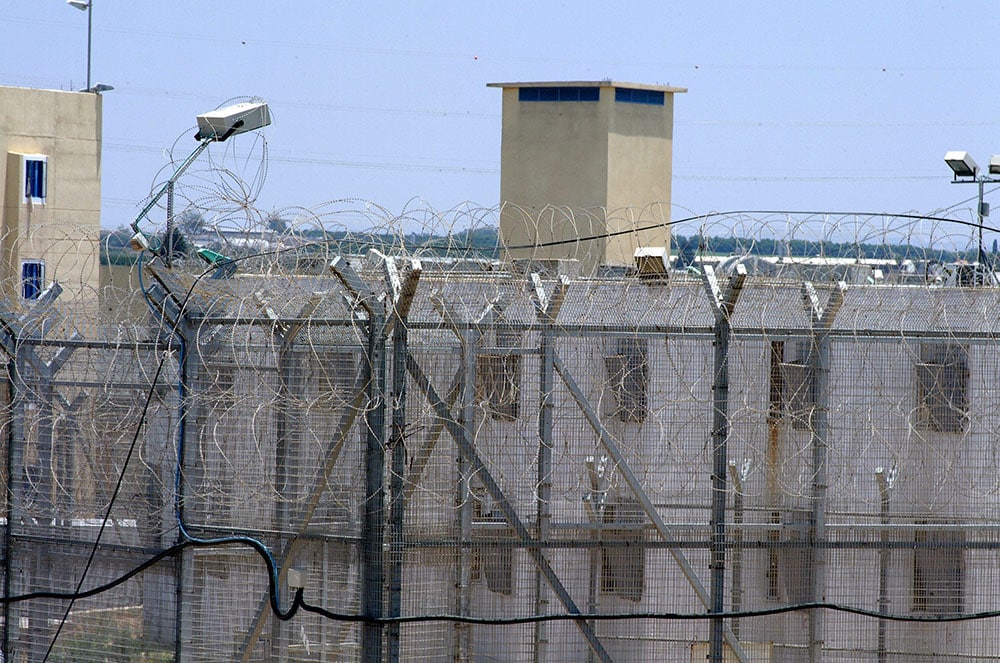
(547, 310)
(819, 362)
(344, 426)
(373, 528)
(723, 302)
(621, 464)
(479, 468)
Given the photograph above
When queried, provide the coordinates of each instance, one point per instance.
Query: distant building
(585, 159)
(50, 203)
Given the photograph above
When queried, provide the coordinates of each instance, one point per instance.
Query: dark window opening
(791, 388)
(939, 572)
(564, 93)
(628, 377)
(623, 553)
(34, 179)
(942, 387)
(493, 564)
(32, 278)
(632, 96)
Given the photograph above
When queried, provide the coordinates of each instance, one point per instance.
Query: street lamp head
(97, 88)
(82, 5)
(961, 164)
(218, 125)
(995, 164)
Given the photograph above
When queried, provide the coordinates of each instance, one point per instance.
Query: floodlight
(220, 124)
(97, 88)
(961, 164)
(652, 261)
(214, 126)
(995, 164)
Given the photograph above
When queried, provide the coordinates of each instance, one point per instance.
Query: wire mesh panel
(455, 460)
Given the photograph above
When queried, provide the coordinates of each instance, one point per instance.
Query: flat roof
(606, 83)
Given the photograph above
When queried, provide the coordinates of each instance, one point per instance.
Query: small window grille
(498, 385)
(796, 562)
(942, 387)
(791, 393)
(799, 397)
(493, 563)
(32, 278)
(623, 557)
(628, 378)
(498, 378)
(939, 572)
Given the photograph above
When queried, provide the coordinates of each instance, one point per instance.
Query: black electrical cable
(298, 602)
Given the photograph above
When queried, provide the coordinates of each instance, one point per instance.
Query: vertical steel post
(284, 455)
(546, 382)
(463, 497)
(737, 477)
(884, 484)
(397, 444)
(819, 363)
(184, 564)
(373, 575)
(15, 437)
(723, 304)
(720, 464)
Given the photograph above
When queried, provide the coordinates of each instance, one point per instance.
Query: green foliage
(804, 249)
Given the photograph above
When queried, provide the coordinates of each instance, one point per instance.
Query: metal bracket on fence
(547, 306)
(596, 498)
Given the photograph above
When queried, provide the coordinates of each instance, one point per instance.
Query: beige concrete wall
(640, 157)
(580, 169)
(64, 232)
(553, 176)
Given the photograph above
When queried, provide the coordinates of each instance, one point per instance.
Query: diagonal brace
(468, 449)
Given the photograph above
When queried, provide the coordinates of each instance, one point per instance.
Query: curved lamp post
(213, 127)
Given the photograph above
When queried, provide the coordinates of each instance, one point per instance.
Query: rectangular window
(791, 393)
(623, 558)
(632, 96)
(939, 572)
(564, 93)
(493, 563)
(498, 385)
(32, 278)
(797, 563)
(628, 379)
(943, 387)
(35, 178)
(498, 377)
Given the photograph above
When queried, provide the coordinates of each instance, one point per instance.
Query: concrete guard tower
(585, 159)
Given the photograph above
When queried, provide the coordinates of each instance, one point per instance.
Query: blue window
(32, 278)
(34, 178)
(627, 95)
(563, 93)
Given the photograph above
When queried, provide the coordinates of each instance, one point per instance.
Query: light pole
(966, 171)
(213, 127)
(87, 6)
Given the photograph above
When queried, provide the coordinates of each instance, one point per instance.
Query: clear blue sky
(791, 105)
